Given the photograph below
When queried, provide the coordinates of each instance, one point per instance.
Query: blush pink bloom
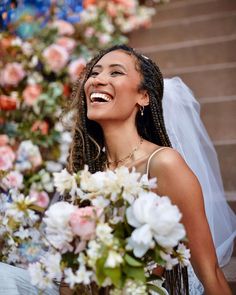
(42, 198)
(13, 179)
(56, 57)
(4, 139)
(89, 32)
(31, 93)
(41, 126)
(63, 27)
(67, 43)
(7, 103)
(83, 221)
(7, 157)
(75, 68)
(12, 74)
(126, 3)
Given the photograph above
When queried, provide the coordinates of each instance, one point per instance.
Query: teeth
(103, 96)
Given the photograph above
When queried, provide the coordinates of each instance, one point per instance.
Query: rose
(12, 74)
(63, 27)
(83, 221)
(7, 103)
(7, 157)
(67, 43)
(41, 126)
(31, 94)
(155, 219)
(42, 198)
(56, 57)
(75, 68)
(13, 179)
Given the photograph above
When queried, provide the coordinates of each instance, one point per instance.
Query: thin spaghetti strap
(150, 157)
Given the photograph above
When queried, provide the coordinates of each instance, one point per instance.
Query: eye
(93, 74)
(116, 73)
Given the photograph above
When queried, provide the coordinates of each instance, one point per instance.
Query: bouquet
(111, 235)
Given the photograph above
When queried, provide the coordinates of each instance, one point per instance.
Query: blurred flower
(7, 157)
(7, 103)
(63, 27)
(41, 126)
(31, 93)
(4, 139)
(13, 179)
(56, 57)
(42, 198)
(75, 68)
(12, 74)
(67, 43)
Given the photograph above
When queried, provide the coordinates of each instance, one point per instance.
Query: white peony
(58, 229)
(65, 182)
(155, 219)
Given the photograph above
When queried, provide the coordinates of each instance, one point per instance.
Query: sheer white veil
(189, 136)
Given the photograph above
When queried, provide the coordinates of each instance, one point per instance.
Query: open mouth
(100, 97)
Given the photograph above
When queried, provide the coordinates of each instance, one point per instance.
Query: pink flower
(7, 157)
(31, 94)
(42, 198)
(3, 139)
(41, 126)
(75, 68)
(7, 103)
(83, 221)
(63, 27)
(12, 74)
(56, 57)
(67, 43)
(13, 179)
(89, 32)
(126, 3)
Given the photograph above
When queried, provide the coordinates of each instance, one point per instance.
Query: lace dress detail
(195, 286)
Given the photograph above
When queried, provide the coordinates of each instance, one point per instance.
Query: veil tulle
(189, 136)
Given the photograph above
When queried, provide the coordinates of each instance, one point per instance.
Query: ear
(144, 98)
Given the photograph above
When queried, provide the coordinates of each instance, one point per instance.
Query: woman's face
(112, 88)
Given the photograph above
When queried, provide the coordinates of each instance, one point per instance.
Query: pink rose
(41, 126)
(63, 27)
(7, 157)
(12, 74)
(75, 68)
(56, 57)
(3, 139)
(7, 103)
(13, 179)
(67, 43)
(42, 198)
(83, 221)
(31, 94)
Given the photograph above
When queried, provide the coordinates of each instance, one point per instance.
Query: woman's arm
(176, 180)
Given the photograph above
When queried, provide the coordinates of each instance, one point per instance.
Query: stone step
(186, 29)
(191, 53)
(230, 274)
(207, 81)
(219, 117)
(180, 9)
(226, 152)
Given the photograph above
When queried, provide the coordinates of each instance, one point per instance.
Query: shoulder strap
(150, 157)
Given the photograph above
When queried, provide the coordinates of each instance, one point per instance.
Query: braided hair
(88, 140)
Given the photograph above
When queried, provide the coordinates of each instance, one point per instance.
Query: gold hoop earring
(141, 110)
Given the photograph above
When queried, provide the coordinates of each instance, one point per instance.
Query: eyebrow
(111, 66)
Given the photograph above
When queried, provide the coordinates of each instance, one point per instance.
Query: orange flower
(7, 103)
(41, 126)
(87, 3)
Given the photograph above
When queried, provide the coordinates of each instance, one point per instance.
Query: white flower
(51, 263)
(114, 259)
(58, 230)
(169, 261)
(154, 218)
(100, 202)
(183, 255)
(103, 232)
(22, 233)
(65, 182)
(93, 252)
(81, 276)
(38, 277)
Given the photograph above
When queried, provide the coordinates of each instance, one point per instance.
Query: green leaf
(132, 261)
(136, 273)
(158, 290)
(115, 275)
(100, 269)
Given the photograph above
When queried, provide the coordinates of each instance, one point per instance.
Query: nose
(99, 79)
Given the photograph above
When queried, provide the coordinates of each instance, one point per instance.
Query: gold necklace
(129, 156)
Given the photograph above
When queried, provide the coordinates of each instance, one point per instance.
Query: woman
(119, 121)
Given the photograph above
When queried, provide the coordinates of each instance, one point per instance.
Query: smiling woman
(119, 121)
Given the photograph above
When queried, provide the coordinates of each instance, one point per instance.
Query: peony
(83, 222)
(31, 93)
(42, 198)
(12, 74)
(67, 43)
(41, 126)
(56, 57)
(7, 103)
(7, 157)
(75, 68)
(63, 27)
(65, 182)
(154, 219)
(13, 179)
